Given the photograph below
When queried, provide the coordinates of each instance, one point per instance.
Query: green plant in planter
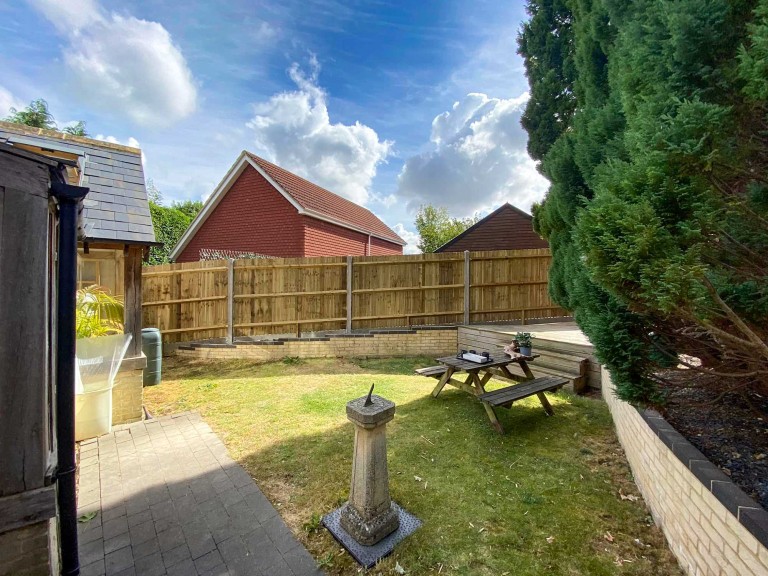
(97, 312)
(523, 340)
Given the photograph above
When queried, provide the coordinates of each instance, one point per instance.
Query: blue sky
(391, 104)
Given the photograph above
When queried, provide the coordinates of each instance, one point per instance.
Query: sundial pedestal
(369, 515)
(369, 524)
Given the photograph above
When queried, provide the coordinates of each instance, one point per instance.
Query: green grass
(542, 499)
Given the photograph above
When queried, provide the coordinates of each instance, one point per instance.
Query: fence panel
(289, 295)
(186, 301)
(299, 295)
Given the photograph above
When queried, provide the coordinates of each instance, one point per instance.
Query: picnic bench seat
(432, 371)
(506, 396)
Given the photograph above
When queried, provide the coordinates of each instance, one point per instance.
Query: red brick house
(261, 208)
(506, 228)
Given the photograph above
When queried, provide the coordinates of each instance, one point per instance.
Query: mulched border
(749, 513)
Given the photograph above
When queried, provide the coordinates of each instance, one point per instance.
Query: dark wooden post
(27, 296)
(133, 258)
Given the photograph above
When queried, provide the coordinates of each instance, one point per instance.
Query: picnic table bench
(478, 375)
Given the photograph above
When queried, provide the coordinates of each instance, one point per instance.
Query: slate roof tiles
(116, 209)
(314, 198)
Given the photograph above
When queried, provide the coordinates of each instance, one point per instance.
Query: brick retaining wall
(711, 525)
(431, 341)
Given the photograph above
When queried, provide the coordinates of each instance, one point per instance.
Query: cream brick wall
(707, 538)
(25, 552)
(420, 343)
(128, 392)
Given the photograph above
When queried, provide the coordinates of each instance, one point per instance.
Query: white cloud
(132, 142)
(8, 101)
(388, 201)
(477, 160)
(294, 130)
(69, 16)
(412, 238)
(123, 64)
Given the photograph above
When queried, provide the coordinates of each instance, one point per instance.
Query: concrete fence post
(349, 294)
(230, 300)
(466, 287)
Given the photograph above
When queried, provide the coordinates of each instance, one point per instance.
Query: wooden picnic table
(478, 375)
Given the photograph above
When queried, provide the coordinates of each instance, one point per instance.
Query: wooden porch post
(132, 278)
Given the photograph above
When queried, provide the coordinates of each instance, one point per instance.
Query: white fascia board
(42, 142)
(275, 185)
(210, 205)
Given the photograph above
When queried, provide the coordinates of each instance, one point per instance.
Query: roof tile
(114, 175)
(316, 199)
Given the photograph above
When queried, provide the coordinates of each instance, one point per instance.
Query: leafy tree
(170, 222)
(657, 214)
(550, 69)
(36, 115)
(436, 227)
(188, 207)
(78, 129)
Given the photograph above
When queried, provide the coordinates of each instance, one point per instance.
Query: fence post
(230, 300)
(466, 287)
(349, 294)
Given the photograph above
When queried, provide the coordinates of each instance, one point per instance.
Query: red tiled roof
(316, 199)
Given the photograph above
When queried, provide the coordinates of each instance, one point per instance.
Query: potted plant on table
(523, 340)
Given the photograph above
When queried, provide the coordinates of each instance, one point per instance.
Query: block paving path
(169, 500)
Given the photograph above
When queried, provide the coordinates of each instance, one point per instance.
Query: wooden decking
(564, 349)
(557, 331)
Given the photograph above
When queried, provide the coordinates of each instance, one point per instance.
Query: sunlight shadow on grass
(488, 502)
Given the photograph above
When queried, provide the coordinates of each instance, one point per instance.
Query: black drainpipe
(69, 198)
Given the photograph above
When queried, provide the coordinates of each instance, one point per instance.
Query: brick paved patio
(170, 500)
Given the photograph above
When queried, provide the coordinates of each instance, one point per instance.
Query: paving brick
(118, 561)
(142, 532)
(93, 569)
(140, 518)
(301, 562)
(119, 541)
(184, 568)
(91, 552)
(171, 538)
(146, 548)
(176, 555)
(175, 503)
(233, 549)
(280, 535)
(151, 565)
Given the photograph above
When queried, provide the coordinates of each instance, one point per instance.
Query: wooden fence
(230, 298)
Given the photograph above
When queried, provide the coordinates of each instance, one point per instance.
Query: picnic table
(478, 375)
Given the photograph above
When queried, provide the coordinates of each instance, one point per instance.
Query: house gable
(252, 216)
(506, 228)
(291, 188)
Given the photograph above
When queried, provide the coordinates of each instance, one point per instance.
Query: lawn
(553, 495)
